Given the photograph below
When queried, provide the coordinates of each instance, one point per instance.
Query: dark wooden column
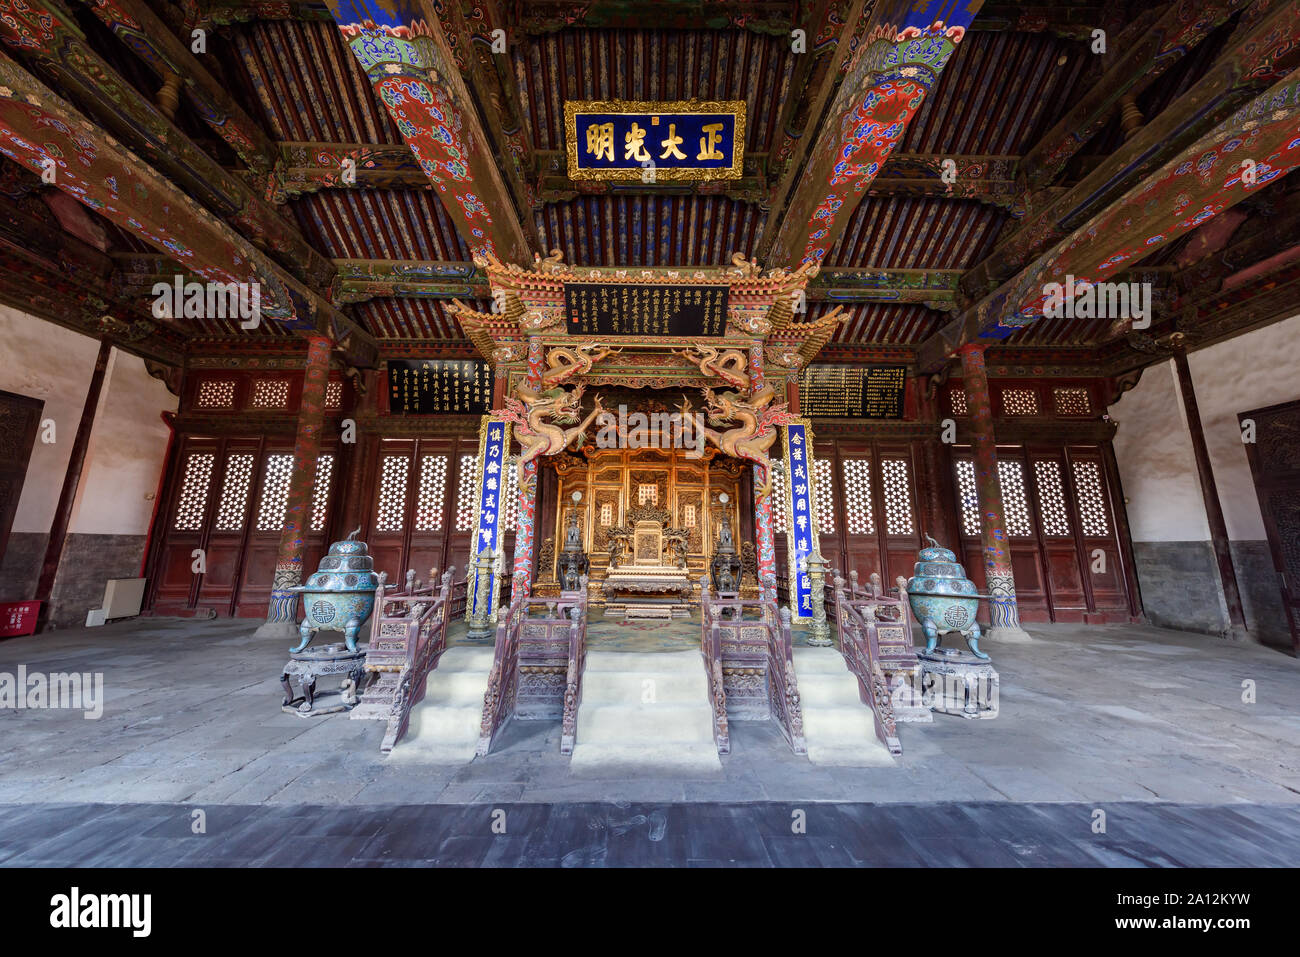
(1210, 494)
(281, 616)
(1004, 613)
(792, 395)
(68, 494)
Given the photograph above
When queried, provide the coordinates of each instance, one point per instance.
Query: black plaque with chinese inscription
(882, 391)
(439, 386)
(870, 392)
(644, 309)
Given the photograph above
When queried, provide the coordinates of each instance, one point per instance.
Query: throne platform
(651, 586)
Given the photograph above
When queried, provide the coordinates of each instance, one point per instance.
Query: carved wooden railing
(458, 599)
(577, 612)
(711, 646)
(748, 638)
(532, 650)
(875, 639)
(408, 634)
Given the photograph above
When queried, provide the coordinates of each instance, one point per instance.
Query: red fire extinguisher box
(18, 618)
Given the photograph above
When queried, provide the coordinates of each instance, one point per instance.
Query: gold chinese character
(671, 143)
(709, 142)
(600, 140)
(635, 148)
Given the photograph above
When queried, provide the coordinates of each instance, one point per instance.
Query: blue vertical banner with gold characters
(494, 442)
(801, 514)
(658, 141)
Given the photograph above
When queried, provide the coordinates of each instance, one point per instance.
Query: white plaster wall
(1153, 446)
(125, 454)
(1154, 453)
(125, 457)
(44, 361)
(1250, 372)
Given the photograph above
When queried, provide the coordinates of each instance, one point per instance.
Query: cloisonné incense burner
(340, 595)
(943, 599)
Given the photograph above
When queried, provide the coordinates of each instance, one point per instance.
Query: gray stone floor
(1088, 714)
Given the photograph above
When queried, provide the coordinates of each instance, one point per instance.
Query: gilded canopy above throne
(547, 300)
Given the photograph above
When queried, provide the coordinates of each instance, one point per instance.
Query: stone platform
(1100, 713)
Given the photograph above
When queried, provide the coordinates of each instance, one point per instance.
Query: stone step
(617, 729)
(444, 726)
(651, 724)
(838, 726)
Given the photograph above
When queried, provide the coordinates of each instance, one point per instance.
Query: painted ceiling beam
(936, 288)
(45, 37)
(154, 43)
(37, 126)
(1158, 47)
(906, 48)
(490, 79)
(409, 63)
(832, 33)
(223, 13)
(758, 16)
(1256, 58)
(1070, 22)
(1202, 181)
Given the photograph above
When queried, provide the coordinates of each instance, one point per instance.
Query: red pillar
(766, 546)
(1003, 612)
(282, 615)
(521, 576)
(68, 494)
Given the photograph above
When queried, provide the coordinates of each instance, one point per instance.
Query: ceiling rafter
(408, 60)
(36, 126)
(1253, 60)
(154, 43)
(43, 35)
(907, 45)
(1172, 201)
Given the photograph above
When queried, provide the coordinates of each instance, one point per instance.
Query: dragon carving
(564, 363)
(756, 431)
(731, 366)
(530, 412)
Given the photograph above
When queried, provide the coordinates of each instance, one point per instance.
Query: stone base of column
(282, 616)
(1241, 633)
(1008, 634)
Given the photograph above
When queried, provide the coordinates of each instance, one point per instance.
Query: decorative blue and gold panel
(653, 142)
(801, 515)
(494, 442)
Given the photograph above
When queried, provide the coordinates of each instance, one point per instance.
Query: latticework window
(216, 394)
(1071, 401)
(778, 497)
(275, 492)
(509, 501)
(431, 493)
(898, 497)
(270, 393)
(393, 475)
(1051, 498)
(968, 494)
(195, 484)
(320, 492)
(1019, 402)
(607, 514)
(957, 400)
(233, 506)
(1015, 503)
(647, 494)
(825, 503)
(466, 506)
(1092, 500)
(333, 394)
(857, 497)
